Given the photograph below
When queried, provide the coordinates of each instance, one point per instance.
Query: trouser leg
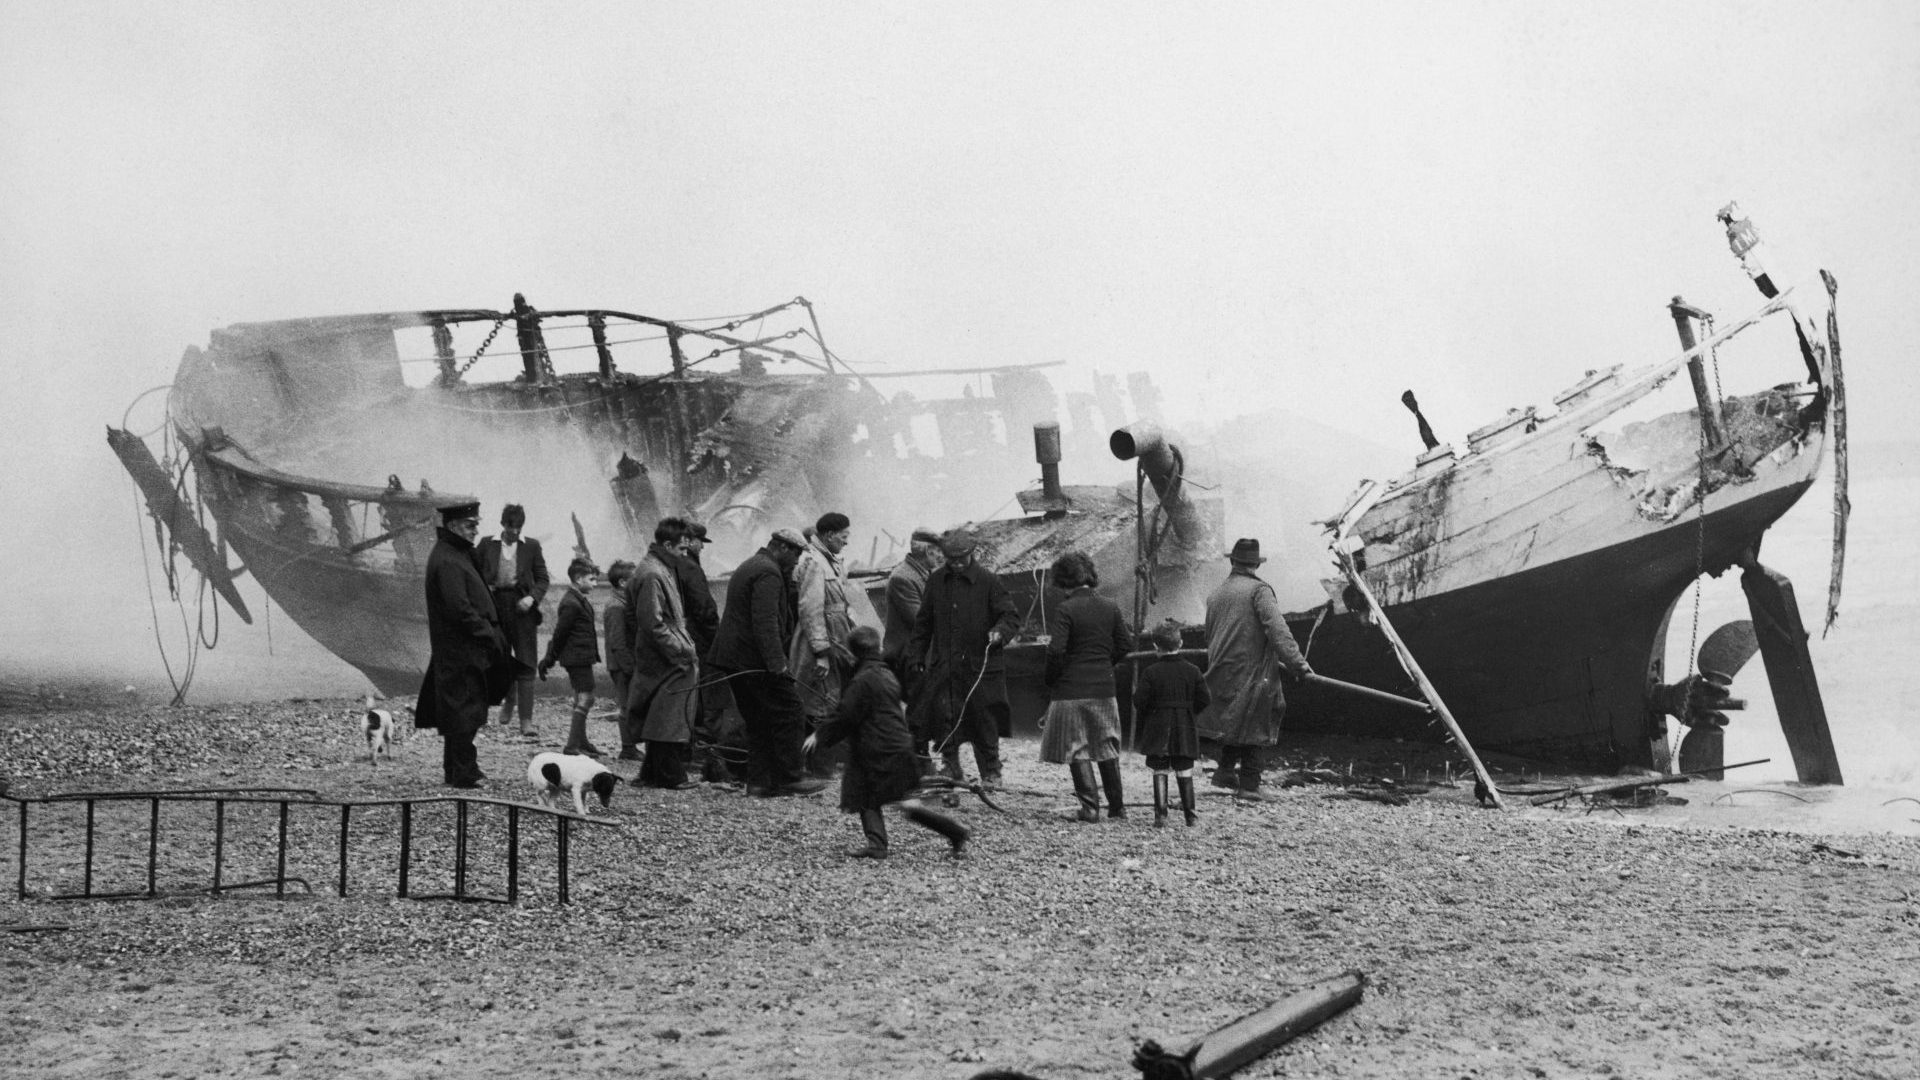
(1226, 764)
(873, 824)
(1116, 796)
(990, 714)
(1250, 766)
(770, 707)
(665, 765)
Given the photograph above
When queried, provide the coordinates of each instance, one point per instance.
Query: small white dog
(552, 774)
(380, 732)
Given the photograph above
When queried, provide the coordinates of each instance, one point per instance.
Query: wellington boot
(1086, 789)
(1116, 797)
(1186, 800)
(1160, 800)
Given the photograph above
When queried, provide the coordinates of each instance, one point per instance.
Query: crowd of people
(796, 677)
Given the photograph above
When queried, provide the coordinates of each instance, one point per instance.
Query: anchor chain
(477, 353)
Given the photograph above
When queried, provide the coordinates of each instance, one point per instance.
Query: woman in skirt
(1165, 700)
(1087, 637)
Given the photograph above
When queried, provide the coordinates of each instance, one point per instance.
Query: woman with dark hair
(1087, 638)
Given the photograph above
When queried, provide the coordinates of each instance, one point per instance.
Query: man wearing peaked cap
(464, 632)
(1247, 644)
(751, 651)
(966, 617)
(905, 587)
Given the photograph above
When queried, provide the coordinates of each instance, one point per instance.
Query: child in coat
(1171, 691)
(881, 766)
(576, 646)
(619, 655)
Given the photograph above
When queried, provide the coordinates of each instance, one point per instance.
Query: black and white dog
(380, 731)
(553, 774)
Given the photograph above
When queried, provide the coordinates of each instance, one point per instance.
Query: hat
(926, 535)
(459, 512)
(791, 538)
(696, 530)
(1246, 551)
(957, 542)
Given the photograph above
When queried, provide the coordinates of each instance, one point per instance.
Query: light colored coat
(830, 607)
(1247, 644)
(661, 698)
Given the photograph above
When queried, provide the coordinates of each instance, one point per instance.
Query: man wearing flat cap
(464, 631)
(1248, 644)
(750, 651)
(905, 586)
(965, 617)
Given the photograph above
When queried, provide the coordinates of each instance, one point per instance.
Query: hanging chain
(1699, 571)
(477, 353)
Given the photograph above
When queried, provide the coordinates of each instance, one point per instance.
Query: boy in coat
(1171, 692)
(575, 646)
(881, 766)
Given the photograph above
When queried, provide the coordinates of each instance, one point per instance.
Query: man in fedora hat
(1248, 644)
(469, 654)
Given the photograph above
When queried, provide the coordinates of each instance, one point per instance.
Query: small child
(620, 654)
(1170, 693)
(576, 647)
(881, 766)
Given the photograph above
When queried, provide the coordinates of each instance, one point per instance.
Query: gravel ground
(715, 935)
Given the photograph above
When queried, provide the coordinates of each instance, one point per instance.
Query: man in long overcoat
(751, 652)
(965, 616)
(661, 700)
(1248, 644)
(465, 636)
(516, 571)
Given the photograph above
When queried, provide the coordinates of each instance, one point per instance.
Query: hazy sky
(1303, 206)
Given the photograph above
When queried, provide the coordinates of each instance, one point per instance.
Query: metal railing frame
(286, 799)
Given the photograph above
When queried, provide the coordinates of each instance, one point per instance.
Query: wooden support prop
(1420, 677)
(1225, 1050)
(1610, 786)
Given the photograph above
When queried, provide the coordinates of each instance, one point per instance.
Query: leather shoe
(868, 852)
(630, 754)
(802, 787)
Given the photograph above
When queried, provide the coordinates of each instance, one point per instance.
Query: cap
(957, 542)
(696, 530)
(926, 535)
(791, 538)
(1246, 551)
(458, 512)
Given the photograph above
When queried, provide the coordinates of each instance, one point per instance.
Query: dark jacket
(957, 611)
(758, 618)
(905, 588)
(1086, 637)
(464, 634)
(615, 620)
(531, 569)
(575, 642)
(696, 597)
(881, 767)
(1170, 693)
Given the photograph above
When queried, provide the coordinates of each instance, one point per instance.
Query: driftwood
(1225, 1050)
(1611, 786)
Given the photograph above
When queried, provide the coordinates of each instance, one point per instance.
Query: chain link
(477, 353)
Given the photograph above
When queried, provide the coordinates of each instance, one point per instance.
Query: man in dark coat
(517, 573)
(965, 616)
(750, 651)
(465, 635)
(1248, 646)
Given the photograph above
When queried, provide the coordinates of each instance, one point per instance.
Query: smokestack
(1046, 451)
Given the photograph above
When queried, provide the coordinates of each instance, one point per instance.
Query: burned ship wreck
(1533, 575)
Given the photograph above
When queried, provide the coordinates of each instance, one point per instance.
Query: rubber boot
(1160, 779)
(577, 734)
(1116, 798)
(1185, 781)
(955, 832)
(875, 827)
(1086, 789)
